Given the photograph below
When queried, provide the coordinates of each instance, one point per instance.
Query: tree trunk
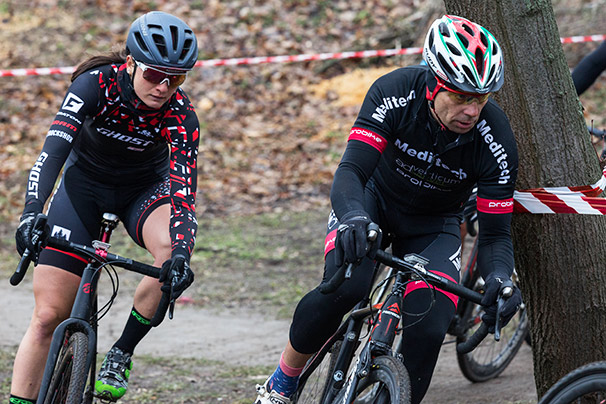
(559, 257)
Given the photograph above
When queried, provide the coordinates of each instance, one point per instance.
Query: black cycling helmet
(163, 40)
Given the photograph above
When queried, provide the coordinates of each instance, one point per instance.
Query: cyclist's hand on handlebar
(352, 244)
(23, 236)
(494, 287)
(176, 276)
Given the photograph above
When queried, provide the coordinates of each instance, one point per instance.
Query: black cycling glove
(176, 273)
(492, 288)
(24, 233)
(352, 244)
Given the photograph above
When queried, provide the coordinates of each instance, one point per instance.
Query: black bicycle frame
(350, 330)
(81, 318)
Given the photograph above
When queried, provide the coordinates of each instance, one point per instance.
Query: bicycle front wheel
(586, 384)
(491, 357)
(386, 383)
(316, 376)
(69, 377)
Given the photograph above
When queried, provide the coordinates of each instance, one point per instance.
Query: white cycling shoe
(269, 397)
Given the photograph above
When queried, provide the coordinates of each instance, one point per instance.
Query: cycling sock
(285, 379)
(20, 400)
(135, 329)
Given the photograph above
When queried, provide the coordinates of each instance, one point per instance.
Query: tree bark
(559, 257)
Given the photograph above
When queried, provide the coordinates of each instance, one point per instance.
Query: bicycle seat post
(109, 223)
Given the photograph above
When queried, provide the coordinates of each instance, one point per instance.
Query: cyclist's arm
(495, 197)
(183, 137)
(357, 165)
(366, 142)
(81, 99)
(589, 68)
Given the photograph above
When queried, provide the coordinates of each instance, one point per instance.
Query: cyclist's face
(153, 95)
(459, 113)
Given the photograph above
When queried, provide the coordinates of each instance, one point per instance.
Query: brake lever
(372, 232)
(171, 305)
(505, 293)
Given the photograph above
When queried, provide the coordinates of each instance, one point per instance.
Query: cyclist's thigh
(440, 242)
(156, 234)
(54, 293)
(147, 218)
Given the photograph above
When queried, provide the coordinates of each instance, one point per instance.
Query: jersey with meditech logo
(400, 155)
(123, 143)
(415, 164)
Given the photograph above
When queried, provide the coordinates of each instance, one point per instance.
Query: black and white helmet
(161, 39)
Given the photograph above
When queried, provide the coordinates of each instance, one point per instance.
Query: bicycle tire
(491, 357)
(316, 375)
(386, 383)
(586, 384)
(69, 377)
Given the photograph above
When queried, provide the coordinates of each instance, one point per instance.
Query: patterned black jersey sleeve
(183, 173)
(81, 100)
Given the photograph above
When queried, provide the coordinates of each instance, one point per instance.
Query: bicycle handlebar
(28, 255)
(416, 263)
(597, 132)
(100, 256)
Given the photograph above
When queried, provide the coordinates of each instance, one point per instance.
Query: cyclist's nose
(472, 109)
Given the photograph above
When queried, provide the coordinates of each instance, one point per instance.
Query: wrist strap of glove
(354, 214)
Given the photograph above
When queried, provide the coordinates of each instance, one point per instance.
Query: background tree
(559, 257)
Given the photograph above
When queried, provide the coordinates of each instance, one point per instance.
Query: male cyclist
(425, 135)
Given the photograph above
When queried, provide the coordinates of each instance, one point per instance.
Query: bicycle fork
(380, 343)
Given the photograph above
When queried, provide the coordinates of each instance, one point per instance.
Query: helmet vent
(453, 49)
(445, 64)
(491, 74)
(467, 28)
(141, 42)
(484, 39)
(444, 30)
(479, 60)
(463, 40)
(187, 45)
(160, 44)
(468, 72)
(174, 32)
(430, 39)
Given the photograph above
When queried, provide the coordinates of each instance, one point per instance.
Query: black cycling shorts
(78, 205)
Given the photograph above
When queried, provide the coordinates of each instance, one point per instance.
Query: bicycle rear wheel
(586, 384)
(491, 357)
(69, 377)
(386, 383)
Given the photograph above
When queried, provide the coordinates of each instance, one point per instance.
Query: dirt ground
(242, 338)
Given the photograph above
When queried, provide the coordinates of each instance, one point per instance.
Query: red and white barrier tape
(581, 200)
(277, 59)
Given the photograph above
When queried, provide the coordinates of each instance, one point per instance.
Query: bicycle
(378, 374)
(72, 355)
(586, 384)
(600, 136)
(490, 358)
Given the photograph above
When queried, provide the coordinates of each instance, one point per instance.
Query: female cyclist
(126, 137)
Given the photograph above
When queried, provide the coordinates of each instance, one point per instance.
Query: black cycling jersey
(589, 68)
(418, 167)
(112, 137)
